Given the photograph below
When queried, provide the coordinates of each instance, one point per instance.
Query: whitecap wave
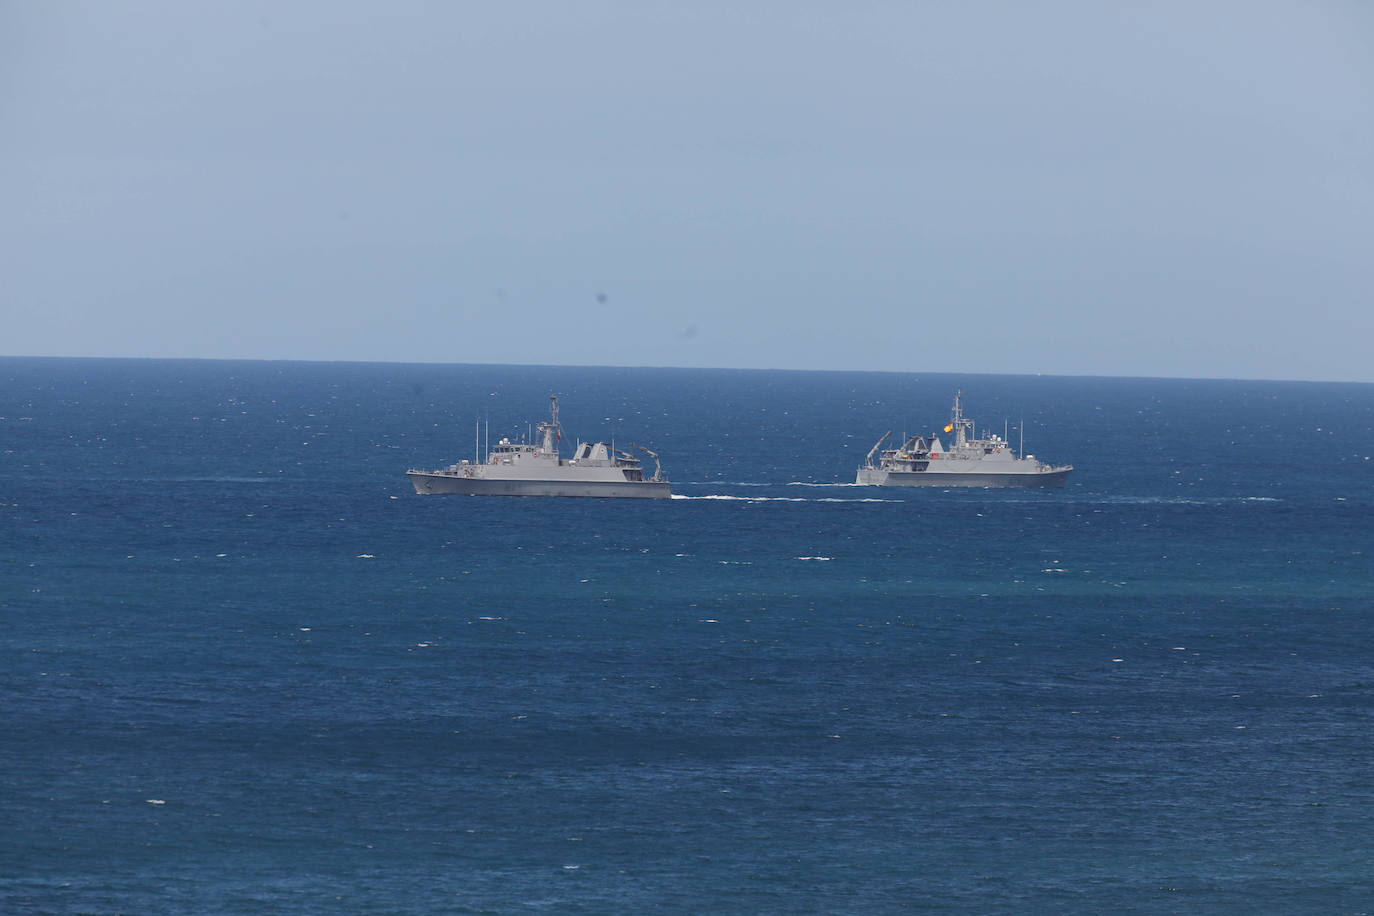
(745, 499)
(220, 479)
(1182, 500)
(862, 499)
(785, 499)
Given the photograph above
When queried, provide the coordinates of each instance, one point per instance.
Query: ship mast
(961, 426)
(551, 432)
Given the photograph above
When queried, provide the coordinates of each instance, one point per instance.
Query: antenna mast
(551, 433)
(962, 427)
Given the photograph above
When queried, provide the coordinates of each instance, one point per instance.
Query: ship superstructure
(970, 461)
(536, 469)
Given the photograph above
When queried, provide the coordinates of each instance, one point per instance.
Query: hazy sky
(1164, 189)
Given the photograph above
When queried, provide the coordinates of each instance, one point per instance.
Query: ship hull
(878, 477)
(482, 486)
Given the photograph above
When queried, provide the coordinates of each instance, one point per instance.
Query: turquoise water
(247, 669)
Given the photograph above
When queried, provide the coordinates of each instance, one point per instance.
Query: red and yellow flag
(949, 427)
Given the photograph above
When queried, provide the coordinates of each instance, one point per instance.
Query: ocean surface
(246, 669)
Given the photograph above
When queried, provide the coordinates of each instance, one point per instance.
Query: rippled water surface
(249, 670)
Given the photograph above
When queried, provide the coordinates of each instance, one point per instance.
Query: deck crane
(868, 462)
(658, 470)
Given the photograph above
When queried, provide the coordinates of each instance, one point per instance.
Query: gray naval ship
(527, 469)
(969, 461)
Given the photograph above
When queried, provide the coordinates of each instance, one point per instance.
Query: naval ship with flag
(969, 461)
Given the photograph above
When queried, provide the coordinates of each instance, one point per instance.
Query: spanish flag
(949, 427)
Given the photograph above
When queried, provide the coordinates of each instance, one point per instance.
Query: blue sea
(246, 669)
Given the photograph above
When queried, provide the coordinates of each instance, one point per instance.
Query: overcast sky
(1162, 189)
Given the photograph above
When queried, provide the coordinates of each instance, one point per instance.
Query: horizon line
(927, 371)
